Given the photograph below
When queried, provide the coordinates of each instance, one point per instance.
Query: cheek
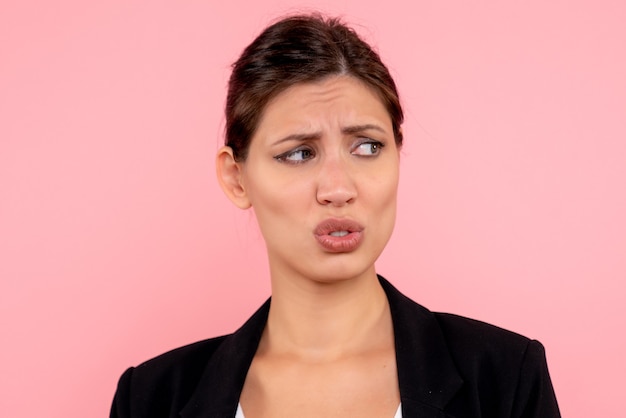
(266, 199)
(383, 186)
(276, 189)
(384, 198)
(278, 198)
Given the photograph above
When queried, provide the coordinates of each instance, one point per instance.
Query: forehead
(339, 99)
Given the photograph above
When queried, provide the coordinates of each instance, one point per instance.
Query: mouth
(339, 235)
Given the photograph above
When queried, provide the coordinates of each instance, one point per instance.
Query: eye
(296, 156)
(368, 148)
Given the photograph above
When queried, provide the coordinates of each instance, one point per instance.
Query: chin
(340, 269)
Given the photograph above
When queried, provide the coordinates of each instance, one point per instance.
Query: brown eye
(369, 148)
(296, 156)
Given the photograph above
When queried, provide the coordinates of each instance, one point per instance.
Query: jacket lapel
(217, 393)
(427, 376)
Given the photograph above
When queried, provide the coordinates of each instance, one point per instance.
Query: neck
(327, 320)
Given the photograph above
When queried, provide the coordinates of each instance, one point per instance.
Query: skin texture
(322, 151)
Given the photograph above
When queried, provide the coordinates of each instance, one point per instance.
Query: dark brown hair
(300, 49)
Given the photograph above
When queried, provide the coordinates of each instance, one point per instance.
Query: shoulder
(478, 346)
(164, 382)
(475, 366)
(502, 369)
(180, 361)
(471, 337)
(466, 339)
(182, 378)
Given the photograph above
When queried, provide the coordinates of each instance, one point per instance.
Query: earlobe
(229, 175)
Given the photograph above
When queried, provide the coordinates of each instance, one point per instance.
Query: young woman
(312, 145)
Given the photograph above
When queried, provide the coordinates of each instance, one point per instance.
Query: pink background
(116, 243)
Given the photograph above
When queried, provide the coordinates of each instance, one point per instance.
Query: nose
(336, 184)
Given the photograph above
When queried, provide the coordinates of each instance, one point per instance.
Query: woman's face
(322, 177)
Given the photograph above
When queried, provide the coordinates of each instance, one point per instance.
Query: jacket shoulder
(475, 337)
(192, 355)
(481, 350)
(180, 380)
(161, 385)
(503, 370)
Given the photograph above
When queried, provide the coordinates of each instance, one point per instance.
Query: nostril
(337, 197)
(335, 184)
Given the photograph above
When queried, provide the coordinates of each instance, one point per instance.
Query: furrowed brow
(299, 137)
(355, 129)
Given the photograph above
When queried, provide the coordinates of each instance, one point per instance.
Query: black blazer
(448, 366)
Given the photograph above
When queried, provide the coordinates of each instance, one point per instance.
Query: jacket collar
(218, 390)
(427, 376)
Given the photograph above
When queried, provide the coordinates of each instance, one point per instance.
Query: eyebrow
(348, 130)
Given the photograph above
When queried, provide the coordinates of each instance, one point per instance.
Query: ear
(229, 175)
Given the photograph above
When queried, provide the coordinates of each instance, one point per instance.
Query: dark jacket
(448, 366)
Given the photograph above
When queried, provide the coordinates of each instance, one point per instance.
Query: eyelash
(284, 157)
(377, 146)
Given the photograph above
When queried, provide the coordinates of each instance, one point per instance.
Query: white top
(239, 413)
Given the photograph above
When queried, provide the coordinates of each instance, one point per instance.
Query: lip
(339, 244)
